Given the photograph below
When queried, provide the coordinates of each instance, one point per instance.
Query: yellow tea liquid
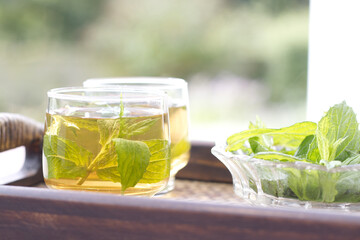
(180, 145)
(80, 152)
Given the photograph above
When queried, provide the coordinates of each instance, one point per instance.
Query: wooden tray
(202, 206)
(194, 210)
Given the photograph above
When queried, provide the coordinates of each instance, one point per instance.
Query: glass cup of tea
(107, 140)
(177, 91)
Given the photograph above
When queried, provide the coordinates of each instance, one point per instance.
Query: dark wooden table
(202, 206)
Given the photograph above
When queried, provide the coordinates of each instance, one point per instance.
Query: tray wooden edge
(31, 213)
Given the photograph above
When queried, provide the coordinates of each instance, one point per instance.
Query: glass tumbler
(177, 91)
(107, 140)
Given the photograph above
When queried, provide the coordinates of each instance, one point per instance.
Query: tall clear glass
(177, 91)
(107, 140)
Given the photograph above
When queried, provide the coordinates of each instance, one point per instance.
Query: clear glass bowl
(297, 184)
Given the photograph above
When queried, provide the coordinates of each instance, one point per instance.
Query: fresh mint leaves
(333, 142)
(287, 137)
(335, 138)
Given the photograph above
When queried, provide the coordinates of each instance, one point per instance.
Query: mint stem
(91, 168)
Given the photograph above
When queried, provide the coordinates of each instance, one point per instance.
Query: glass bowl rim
(219, 151)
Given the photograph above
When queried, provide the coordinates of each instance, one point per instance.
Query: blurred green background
(242, 58)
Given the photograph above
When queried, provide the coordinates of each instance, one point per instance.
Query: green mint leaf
(157, 170)
(132, 127)
(287, 137)
(55, 146)
(291, 137)
(109, 174)
(60, 168)
(55, 125)
(140, 127)
(277, 156)
(133, 159)
(106, 157)
(159, 163)
(65, 158)
(180, 148)
(273, 184)
(312, 185)
(264, 140)
(59, 123)
(337, 131)
(256, 146)
(352, 160)
(313, 154)
(108, 129)
(352, 149)
(304, 146)
(348, 186)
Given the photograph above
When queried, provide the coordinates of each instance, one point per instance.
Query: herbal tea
(180, 144)
(126, 155)
(177, 99)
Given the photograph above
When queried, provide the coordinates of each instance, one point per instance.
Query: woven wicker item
(17, 130)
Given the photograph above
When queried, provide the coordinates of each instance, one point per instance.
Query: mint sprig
(130, 157)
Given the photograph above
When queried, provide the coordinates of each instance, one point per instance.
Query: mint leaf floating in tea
(133, 159)
(108, 129)
(65, 158)
(121, 159)
(180, 148)
(109, 174)
(156, 171)
(159, 164)
(134, 127)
